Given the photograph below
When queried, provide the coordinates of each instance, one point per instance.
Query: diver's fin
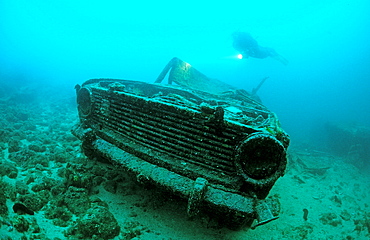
(280, 59)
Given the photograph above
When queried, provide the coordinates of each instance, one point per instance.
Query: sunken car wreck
(198, 138)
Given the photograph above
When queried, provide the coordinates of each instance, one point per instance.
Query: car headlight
(260, 156)
(84, 102)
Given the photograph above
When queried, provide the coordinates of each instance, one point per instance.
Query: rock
(78, 177)
(8, 169)
(21, 187)
(22, 157)
(60, 215)
(6, 192)
(37, 147)
(299, 232)
(330, 219)
(21, 209)
(3, 207)
(110, 186)
(14, 145)
(345, 215)
(77, 200)
(35, 201)
(97, 223)
(46, 183)
(20, 223)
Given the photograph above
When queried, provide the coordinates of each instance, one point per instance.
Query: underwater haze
(325, 42)
(58, 184)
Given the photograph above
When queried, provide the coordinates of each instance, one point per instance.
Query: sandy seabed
(38, 153)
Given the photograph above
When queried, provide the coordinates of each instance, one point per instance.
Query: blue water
(326, 43)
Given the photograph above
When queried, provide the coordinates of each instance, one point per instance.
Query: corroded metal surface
(220, 149)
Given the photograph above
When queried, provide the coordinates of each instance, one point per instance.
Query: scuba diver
(248, 47)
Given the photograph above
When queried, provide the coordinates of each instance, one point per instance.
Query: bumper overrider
(222, 153)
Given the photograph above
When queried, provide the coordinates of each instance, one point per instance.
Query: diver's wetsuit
(248, 47)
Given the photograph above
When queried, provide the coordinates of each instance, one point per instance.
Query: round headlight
(84, 102)
(260, 156)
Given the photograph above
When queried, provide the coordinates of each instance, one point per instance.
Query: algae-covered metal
(199, 138)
